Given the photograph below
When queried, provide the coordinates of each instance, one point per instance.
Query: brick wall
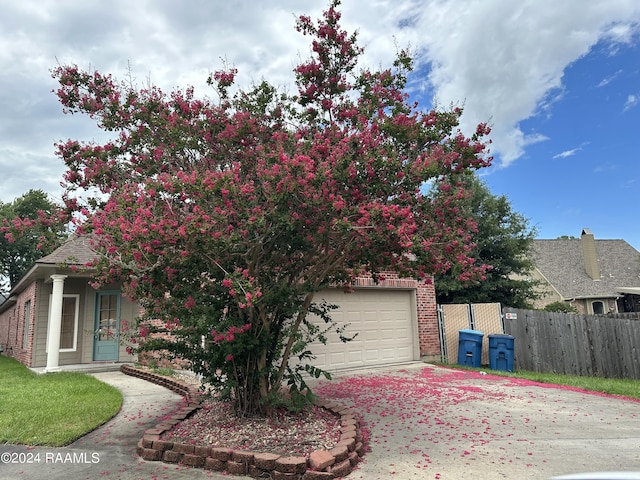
(160, 358)
(7, 321)
(12, 326)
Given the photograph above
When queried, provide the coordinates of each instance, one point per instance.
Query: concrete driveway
(424, 422)
(428, 422)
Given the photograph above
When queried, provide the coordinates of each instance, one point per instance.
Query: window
(69, 324)
(26, 324)
(108, 313)
(598, 308)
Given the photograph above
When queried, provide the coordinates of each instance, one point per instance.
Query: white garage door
(383, 320)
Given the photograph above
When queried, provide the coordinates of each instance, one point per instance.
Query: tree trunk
(287, 351)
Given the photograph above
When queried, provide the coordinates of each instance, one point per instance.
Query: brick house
(594, 276)
(54, 317)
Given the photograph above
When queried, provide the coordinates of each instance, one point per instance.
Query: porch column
(55, 324)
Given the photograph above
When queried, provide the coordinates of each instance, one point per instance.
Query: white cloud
(502, 59)
(624, 32)
(571, 152)
(632, 101)
(606, 81)
(566, 153)
(605, 167)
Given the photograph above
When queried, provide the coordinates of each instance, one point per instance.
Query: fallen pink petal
(420, 415)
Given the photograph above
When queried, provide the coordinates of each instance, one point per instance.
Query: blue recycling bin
(470, 348)
(501, 352)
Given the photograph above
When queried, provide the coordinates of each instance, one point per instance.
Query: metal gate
(484, 317)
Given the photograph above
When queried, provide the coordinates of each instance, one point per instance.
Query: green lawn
(613, 386)
(52, 409)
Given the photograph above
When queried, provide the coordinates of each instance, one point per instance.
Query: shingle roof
(75, 251)
(561, 262)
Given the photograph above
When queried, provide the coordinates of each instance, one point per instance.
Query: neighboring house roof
(562, 263)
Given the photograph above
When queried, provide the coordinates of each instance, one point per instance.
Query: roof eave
(44, 269)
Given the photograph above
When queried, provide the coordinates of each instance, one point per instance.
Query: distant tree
(224, 219)
(563, 307)
(502, 241)
(30, 227)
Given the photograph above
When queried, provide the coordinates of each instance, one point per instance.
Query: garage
(384, 321)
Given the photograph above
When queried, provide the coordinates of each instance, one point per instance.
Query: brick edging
(321, 464)
(191, 395)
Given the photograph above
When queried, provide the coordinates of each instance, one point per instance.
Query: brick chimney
(589, 254)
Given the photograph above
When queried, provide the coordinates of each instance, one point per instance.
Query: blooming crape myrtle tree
(224, 218)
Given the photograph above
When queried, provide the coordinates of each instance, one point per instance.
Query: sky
(558, 81)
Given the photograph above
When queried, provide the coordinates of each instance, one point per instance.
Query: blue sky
(586, 170)
(559, 82)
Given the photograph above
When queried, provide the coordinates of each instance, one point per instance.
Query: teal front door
(107, 326)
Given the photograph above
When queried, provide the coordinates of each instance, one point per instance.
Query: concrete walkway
(425, 422)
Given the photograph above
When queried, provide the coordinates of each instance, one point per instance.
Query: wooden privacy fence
(587, 345)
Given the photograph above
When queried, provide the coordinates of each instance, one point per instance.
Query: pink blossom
(190, 303)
